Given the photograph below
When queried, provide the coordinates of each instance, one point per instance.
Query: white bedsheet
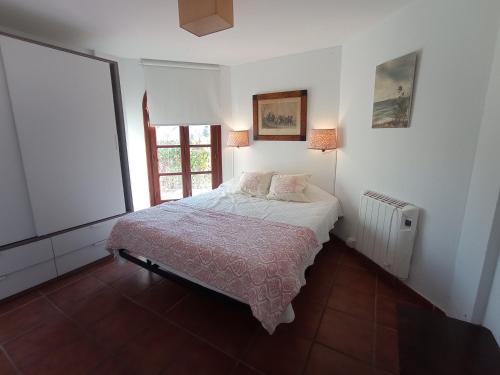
(320, 215)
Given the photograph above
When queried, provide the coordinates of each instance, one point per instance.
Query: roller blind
(182, 93)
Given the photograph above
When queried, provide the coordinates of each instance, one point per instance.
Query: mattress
(319, 215)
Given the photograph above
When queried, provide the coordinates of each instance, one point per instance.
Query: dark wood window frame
(186, 173)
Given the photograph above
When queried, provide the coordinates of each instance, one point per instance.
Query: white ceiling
(150, 29)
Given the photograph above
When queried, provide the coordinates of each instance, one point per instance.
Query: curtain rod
(179, 64)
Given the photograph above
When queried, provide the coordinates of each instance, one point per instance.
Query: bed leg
(150, 265)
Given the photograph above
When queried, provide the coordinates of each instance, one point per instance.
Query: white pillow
(288, 187)
(231, 186)
(316, 194)
(255, 184)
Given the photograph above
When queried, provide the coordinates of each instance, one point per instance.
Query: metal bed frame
(155, 268)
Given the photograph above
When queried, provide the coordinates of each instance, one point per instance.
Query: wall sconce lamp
(323, 139)
(237, 139)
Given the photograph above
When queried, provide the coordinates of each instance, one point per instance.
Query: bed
(253, 250)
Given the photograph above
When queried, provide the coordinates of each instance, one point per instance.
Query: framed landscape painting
(393, 92)
(280, 116)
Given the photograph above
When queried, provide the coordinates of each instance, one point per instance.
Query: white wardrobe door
(64, 115)
(16, 218)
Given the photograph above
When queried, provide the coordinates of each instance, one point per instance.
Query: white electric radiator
(386, 232)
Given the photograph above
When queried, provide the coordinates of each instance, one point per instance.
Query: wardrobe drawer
(24, 256)
(81, 257)
(27, 278)
(83, 237)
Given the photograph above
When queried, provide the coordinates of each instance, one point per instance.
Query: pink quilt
(260, 262)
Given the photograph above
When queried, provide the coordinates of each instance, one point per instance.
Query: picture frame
(280, 116)
(393, 93)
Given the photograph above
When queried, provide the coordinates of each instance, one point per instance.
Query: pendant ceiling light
(202, 17)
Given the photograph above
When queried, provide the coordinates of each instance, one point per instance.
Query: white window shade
(183, 93)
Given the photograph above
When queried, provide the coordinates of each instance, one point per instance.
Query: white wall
(227, 119)
(133, 87)
(318, 72)
(430, 163)
(477, 251)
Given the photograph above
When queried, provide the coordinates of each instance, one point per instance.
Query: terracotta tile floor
(116, 318)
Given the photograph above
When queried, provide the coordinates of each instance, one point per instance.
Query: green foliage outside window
(169, 159)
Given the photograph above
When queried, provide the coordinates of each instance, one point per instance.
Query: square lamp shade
(238, 138)
(202, 17)
(323, 139)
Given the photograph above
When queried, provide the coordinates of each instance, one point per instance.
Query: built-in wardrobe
(63, 166)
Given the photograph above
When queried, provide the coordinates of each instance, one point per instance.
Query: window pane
(169, 160)
(201, 160)
(168, 135)
(201, 183)
(199, 135)
(170, 187)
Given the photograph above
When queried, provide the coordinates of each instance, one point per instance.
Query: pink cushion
(255, 183)
(288, 188)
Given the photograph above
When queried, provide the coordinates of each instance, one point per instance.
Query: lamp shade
(202, 17)
(238, 138)
(323, 139)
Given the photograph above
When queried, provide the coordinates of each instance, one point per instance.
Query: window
(182, 160)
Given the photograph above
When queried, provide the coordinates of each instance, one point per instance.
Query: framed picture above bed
(280, 116)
